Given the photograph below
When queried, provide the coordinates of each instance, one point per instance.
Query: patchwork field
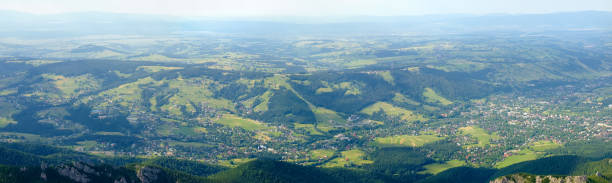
(6, 111)
(517, 157)
(436, 168)
(37, 63)
(544, 145)
(6, 121)
(309, 128)
(399, 98)
(8, 92)
(406, 140)
(189, 144)
(235, 121)
(327, 116)
(24, 137)
(264, 99)
(321, 154)
(157, 68)
(66, 87)
(235, 162)
(432, 97)
(349, 87)
(360, 63)
(348, 158)
(391, 110)
(126, 94)
(483, 137)
(386, 75)
(192, 92)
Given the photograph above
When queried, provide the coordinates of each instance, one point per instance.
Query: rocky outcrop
(85, 173)
(523, 178)
(85, 168)
(72, 173)
(148, 174)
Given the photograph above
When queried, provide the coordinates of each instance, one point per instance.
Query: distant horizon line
(300, 16)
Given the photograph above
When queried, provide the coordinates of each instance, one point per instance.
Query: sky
(221, 8)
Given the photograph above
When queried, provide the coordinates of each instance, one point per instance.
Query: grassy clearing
(235, 121)
(430, 108)
(309, 128)
(460, 65)
(436, 168)
(165, 130)
(23, 137)
(189, 144)
(86, 145)
(350, 157)
(6, 121)
(360, 63)
(544, 145)
(186, 131)
(349, 87)
(262, 106)
(321, 154)
(479, 101)
(103, 54)
(156, 68)
(265, 100)
(8, 92)
(126, 94)
(110, 133)
(327, 116)
(483, 137)
(391, 110)
(432, 97)
(122, 75)
(386, 75)
(276, 82)
(406, 140)
(171, 120)
(36, 63)
(324, 117)
(325, 127)
(73, 86)
(235, 162)
(399, 98)
(517, 157)
(324, 90)
(6, 111)
(200, 130)
(193, 91)
(159, 58)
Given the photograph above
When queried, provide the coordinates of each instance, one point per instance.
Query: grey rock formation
(148, 174)
(519, 178)
(72, 173)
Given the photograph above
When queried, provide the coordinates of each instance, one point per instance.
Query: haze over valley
(455, 97)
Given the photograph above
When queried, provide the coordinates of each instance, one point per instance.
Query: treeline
(187, 166)
(26, 162)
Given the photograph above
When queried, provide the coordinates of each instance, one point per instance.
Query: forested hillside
(510, 101)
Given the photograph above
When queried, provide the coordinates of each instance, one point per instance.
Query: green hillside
(378, 99)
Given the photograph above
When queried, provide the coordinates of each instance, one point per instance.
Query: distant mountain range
(16, 24)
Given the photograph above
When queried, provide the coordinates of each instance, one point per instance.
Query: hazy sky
(304, 7)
